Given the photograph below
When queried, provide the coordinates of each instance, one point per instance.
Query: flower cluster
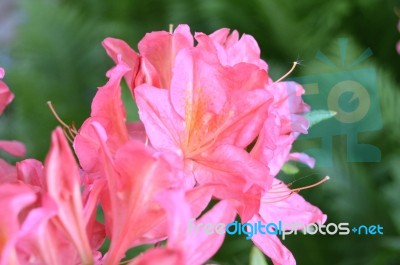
(213, 127)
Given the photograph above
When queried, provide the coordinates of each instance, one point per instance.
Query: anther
(288, 73)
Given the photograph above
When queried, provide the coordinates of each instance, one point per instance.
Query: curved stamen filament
(283, 192)
(288, 73)
(70, 131)
(312, 185)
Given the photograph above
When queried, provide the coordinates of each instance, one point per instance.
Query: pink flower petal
(160, 49)
(5, 94)
(63, 185)
(31, 171)
(183, 247)
(303, 158)
(109, 111)
(14, 148)
(273, 247)
(132, 180)
(13, 200)
(282, 204)
(163, 125)
(195, 84)
(120, 52)
(8, 172)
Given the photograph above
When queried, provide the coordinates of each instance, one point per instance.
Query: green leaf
(257, 257)
(316, 116)
(290, 169)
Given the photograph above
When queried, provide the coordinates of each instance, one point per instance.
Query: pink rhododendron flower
(203, 111)
(213, 126)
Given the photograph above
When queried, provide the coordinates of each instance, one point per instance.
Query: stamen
(296, 180)
(55, 115)
(171, 28)
(288, 73)
(67, 134)
(69, 131)
(312, 185)
(277, 199)
(286, 192)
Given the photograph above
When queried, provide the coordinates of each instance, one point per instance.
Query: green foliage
(316, 116)
(257, 257)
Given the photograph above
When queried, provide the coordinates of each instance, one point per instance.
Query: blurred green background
(51, 50)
